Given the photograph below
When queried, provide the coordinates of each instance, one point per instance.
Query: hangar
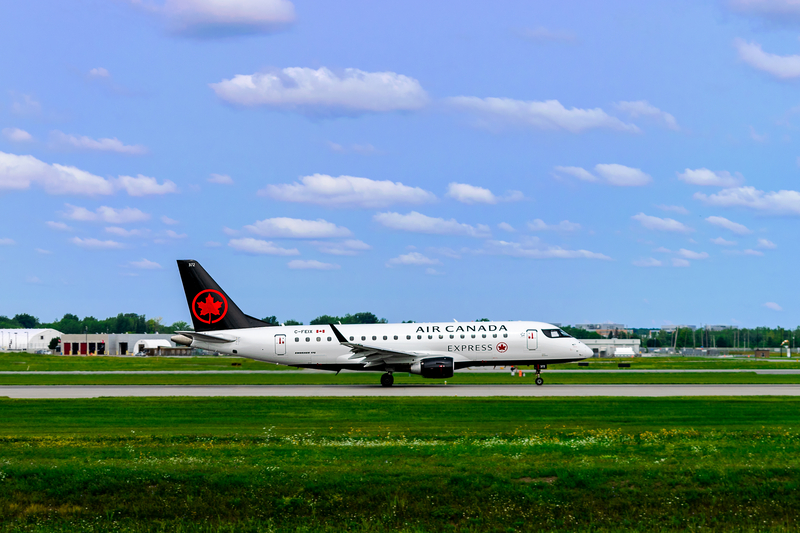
(26, 340)
(120, 344)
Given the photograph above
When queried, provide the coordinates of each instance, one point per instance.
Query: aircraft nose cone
(584, 350)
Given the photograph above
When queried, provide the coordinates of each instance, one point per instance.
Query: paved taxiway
(97, 391)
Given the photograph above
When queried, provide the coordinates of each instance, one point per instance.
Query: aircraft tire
(539, 381)
(387, 380)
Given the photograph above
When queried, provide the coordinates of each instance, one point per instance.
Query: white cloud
(19, 172)
(419, 223)
(363, 149)
(96, 244)
(661, 224)
(347, 191)
(642, 108)
(296, 228)
(783, 67)
(773, 306)
(757, 137)
(722, 222)
(577, 172)
(674, 208)
(169, 221)
(257, 246)
(777, 10)
(689, 254)
(222, 179)
(413, 258)
(703, 176)
(58, 226)
(311, 264)
(648, 262)
(541, 34)
(43, 251)
(622, 176)
(565, 225)
(5, 241)
(122, 232)
(175, 235)
(471, 194)
(677, 262)
(145, 264)
(777, 203)
(106, 214)
(766, 244)
(99, 72)
(347, 247)
(497, 113)
(753, 252)
(506, 227)
(527, 250)
(722, 242)
(144, 185)
(663, 250)
(17, 135)
(433, 272)
(25, 104)
(81, 142)
(323, 92)
(215, 18)
(447, 252)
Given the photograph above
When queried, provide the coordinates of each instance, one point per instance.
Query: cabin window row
(408, 337)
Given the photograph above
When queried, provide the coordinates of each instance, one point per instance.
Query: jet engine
(433, 367)
(181, 339)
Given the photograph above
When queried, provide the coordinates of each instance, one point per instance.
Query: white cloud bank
(777, 203)
(703, 176)
(257, 246)
(19, 172)
(642, 108)
(297, 228)
(347, 247)
(766, 244)
(611, 174)
(323, 92)
(221, 179)
(81, 142)
(347, 191)
(413, 259)
(719, 241)
(773, 306)
(783, 67)
(311, 264)
(533, 251)
(418, 223)
(218, 18)
(104, 213)
(17, 135)
(564, 225)
(96, 244)
(661, 224)
(722, 222)
(648, 262)
(145, 264)
(472, 194)
(499, 113)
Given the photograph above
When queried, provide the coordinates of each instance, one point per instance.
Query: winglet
(339, 337)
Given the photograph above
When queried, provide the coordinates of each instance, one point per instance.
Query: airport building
(605, 328)
(26, 340)
(121, 344)
(614, 347)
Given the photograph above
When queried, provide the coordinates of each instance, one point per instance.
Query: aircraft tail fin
(210, 306)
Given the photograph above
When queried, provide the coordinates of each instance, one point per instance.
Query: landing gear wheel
(387, 380)
(539, 381)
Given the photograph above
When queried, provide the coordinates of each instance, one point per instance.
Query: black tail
(211, 308)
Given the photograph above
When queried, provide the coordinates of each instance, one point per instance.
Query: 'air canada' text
(453, 328)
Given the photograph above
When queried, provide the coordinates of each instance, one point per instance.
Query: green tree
(53, 343)
(272, 320)
(483, 320)
(26, 321)
(293, 323)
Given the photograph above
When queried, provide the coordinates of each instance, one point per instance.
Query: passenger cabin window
(351, 338)
(505, 334)
(318, 339)
(452, 336)
(462, 335)
(363, 338)
(441, 336)
(385, 337)
(494, 335)
(374, 338)
(395, 337)
(419, 337)
(297, 339)
(555, 333)
(329, 339)
(408, 337)
(483, 335)
(308, 339)
(473, 335)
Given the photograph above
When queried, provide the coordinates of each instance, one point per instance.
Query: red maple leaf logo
(210, 306)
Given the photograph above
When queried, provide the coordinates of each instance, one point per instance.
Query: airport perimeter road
(96, 391)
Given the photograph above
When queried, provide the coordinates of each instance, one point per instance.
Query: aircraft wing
(205, 337)
(376, 355)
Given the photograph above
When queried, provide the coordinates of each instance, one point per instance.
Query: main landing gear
(539, 380)
(387, 380)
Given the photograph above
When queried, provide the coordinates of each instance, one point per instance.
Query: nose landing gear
(539, 368)
(387, 380)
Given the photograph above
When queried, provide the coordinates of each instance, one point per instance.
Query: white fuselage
(468, 343)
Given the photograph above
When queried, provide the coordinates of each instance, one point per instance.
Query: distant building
(672, 327)
(605, 328)
(614, 347)
(120, 344)
(720, 327)
(26, 340)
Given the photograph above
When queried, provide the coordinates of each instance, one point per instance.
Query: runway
(652, 391)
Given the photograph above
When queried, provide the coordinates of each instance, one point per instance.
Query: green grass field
(400, 464)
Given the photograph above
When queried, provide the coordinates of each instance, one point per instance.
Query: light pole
(16, 345)
(86, 338)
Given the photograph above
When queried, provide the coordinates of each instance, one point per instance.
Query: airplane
(431, 350)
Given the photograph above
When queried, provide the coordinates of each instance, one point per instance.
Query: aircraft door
(533, 339)
(280, 344)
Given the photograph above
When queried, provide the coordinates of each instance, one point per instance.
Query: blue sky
(572, 162)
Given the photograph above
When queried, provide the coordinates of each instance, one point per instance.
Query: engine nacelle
(181, 339)
(433, 367)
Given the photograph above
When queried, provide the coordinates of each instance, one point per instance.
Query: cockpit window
(555, 333)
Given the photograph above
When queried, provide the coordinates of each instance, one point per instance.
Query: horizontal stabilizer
(219, 338)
